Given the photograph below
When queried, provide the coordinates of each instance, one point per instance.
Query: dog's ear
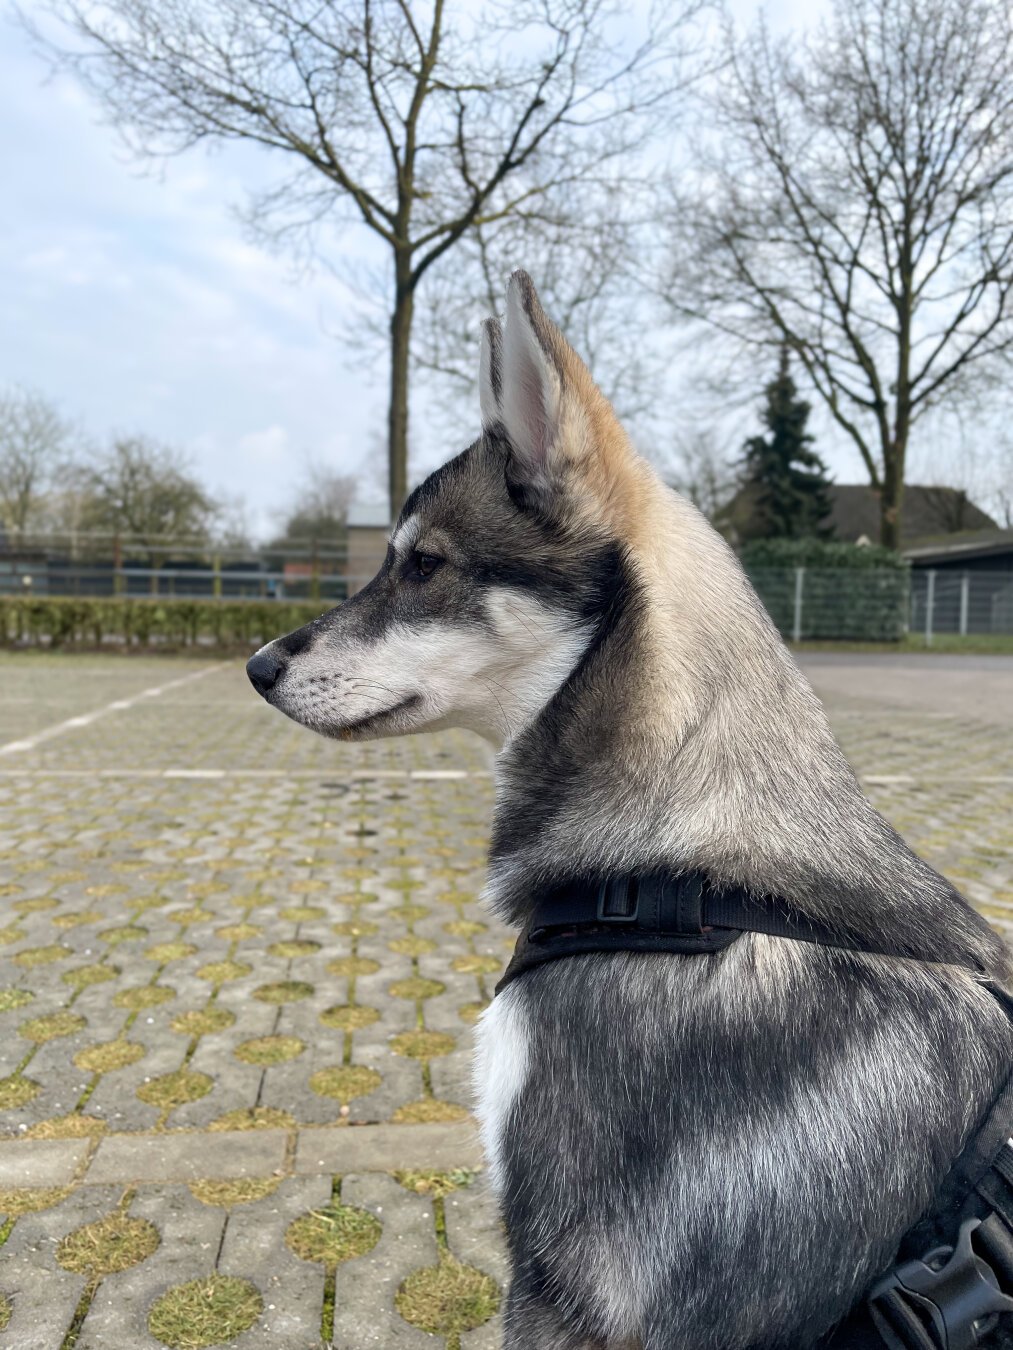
(490, 373)
(530, 384)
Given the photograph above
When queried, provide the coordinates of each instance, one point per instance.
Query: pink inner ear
(535, 419)
(527, 417)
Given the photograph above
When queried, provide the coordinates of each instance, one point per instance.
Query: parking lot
(240, 965)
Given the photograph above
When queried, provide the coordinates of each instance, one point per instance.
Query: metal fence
(945, 601)
(871, 604)
(106, 566)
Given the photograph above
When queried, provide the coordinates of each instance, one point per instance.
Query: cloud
(136, 302)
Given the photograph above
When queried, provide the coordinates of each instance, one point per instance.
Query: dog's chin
(397, 720)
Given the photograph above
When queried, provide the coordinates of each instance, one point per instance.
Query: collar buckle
(618, 900)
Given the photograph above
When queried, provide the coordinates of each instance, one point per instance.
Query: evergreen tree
(785, 479)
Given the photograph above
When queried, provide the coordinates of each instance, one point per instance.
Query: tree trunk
(891, 497)
(397, 416)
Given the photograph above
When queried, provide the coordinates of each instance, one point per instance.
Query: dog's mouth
(349, 729)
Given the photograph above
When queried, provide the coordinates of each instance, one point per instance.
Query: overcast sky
(137, 303)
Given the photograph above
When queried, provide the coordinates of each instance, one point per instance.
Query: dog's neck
(686, 737)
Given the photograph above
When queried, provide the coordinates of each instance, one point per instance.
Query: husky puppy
(703, 1152)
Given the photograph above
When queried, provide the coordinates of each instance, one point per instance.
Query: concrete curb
(232, 1154)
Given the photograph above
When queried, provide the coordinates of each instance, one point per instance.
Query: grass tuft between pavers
(42, 956)
(170, 1090)
(436, 1184)
(67, 1127)
(144, 996)
(346, 966)
(428, 1111)
(203, 1021)
(448, 1298)
(284, 991)
(416, 987)
(291, 950)
(109, 1055)
(16, 1201)
(6, 1308)
(471, 1012)
(349, 1016)
(267, 1050)
(17, 1091)
(345, 1082)
(422, 1044)
(14, 998)
(228, 1193)
(51, 1026)
(220, 972)
(334, 1233)
(205, 1312)
(354, 928)
(82, 977)
(113, 1243)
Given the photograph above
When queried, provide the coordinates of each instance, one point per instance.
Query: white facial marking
(491, 679)
(500, 1070)
(405, 537)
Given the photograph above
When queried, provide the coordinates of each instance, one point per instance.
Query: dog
(691, 1152)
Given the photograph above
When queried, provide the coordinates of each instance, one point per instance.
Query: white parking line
(118, 705)
(279, 775)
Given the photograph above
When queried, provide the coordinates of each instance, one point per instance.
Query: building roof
(927, 511)
(954, 547)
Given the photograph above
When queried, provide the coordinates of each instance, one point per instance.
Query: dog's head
(498, 570)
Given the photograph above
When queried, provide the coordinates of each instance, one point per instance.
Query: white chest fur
(501, 1067)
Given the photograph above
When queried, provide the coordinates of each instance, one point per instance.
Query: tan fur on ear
(619, 486)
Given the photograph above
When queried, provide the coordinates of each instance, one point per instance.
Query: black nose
(263, 670)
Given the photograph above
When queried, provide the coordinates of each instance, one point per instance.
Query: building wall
(367, 548)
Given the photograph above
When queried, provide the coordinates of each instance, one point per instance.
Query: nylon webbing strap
(661, 911)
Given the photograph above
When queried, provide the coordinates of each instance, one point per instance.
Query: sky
(135, 299)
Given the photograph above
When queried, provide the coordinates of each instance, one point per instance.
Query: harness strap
(684, 913)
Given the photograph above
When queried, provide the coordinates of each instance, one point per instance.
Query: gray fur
(704, 1152)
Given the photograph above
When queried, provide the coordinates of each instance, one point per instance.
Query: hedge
(72, 621)
(819, 553)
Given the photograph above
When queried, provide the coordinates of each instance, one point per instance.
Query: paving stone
(368, 1148)
(294, 824)
(364, 1312)
(255, 1249)
(41, 1162)
(43, 1294)
(191, 1235)
(189, 1156)
(475, 1235)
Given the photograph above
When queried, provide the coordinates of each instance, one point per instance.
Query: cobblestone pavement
(225, 942)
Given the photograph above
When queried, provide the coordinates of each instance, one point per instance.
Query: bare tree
(855, 201)
(581, 245)
(33, 447)
(146, 493)
(702, 469)
(413, 120)
(318, 510)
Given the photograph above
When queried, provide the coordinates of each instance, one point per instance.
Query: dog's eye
(424, 565)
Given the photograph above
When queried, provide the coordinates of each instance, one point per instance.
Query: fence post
(216, 585)
(796, 628)
(965, 596)
(930, 602)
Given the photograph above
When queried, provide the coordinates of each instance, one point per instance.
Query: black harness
(953, 1278)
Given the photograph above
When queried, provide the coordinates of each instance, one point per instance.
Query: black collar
(664, 912)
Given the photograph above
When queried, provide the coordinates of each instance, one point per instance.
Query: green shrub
(58, 621)
(761, 554)
(848, 591)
